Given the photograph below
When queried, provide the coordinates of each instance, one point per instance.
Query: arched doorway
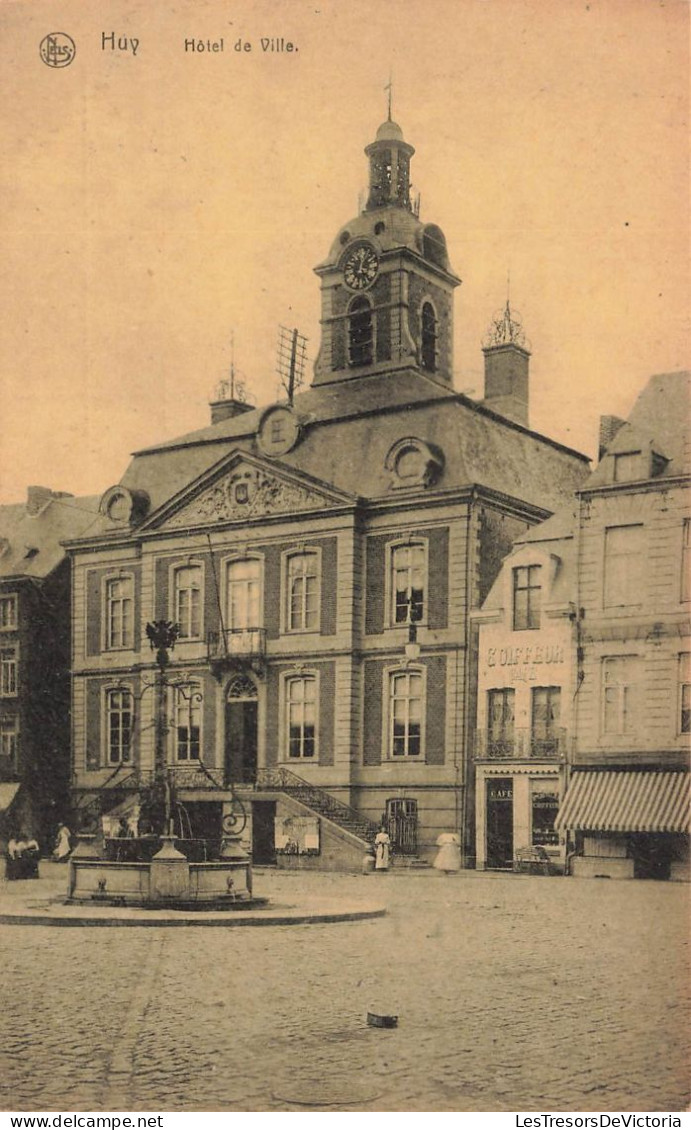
(241, 730)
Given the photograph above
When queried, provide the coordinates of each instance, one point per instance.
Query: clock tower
(387, 287)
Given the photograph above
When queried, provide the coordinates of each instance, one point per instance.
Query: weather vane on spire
(389, 88)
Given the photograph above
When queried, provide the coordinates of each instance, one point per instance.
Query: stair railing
(280, 778)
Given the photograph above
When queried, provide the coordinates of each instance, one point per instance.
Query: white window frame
(390, 586)
(625, 583)
(228, 564)
(174, 604)
(107, 638)
(628, 704)
(9, 739)
(8, 623)
(108, 691)
(391, 675)
(9, 671)
(188, 697)
(288, 557)
(288, 678)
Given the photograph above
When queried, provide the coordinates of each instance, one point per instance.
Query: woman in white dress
(382, 844)
(62, 844)
(449, 854)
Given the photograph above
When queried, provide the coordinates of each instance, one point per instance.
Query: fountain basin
(167, 880)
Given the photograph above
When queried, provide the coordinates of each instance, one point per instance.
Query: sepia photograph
(345, 561)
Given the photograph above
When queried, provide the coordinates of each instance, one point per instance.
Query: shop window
(188, 713)
(8, 672)
(119, 618)
(119, 719)
(500, 722)
(428, 351)
(621, 679)
(301, 716)
(685, 693)
(187, 589)
(408, 575)
(8, 612)
(544, 807)
(243, 589)
(526, 597)
(360, 332)
(545, 711)
(405, 714)
(624, 547)
(302, 592)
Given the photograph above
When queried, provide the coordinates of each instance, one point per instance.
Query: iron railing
(284, 780)
(521, 744)
(237, 643)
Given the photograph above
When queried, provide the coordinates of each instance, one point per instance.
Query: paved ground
(513, 992)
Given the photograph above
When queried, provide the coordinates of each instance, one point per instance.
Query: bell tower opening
(387, 286)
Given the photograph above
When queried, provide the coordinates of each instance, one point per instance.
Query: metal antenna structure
(291, 354)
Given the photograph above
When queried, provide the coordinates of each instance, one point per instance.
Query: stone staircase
(320, 802)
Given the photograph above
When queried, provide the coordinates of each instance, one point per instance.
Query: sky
(160, 203)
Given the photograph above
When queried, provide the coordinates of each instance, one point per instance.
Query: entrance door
(263, 838)
(241, 731)
(500, 822)
(401, 824)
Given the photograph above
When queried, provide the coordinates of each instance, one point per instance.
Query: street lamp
(162, 635)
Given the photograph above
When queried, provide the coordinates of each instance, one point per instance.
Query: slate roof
(659, 422)
(349, 429)
(30, 545)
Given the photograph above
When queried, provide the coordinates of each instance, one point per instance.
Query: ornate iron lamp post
(162, 635)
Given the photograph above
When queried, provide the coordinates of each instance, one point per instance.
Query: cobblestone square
(513, 993)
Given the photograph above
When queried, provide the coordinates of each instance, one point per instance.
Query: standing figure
(62, 844)
(449, 855)
(382, 843)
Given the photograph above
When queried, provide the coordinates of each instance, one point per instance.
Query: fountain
(162, 869)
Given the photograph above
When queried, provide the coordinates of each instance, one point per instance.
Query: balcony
(237, 647)
(521, 745)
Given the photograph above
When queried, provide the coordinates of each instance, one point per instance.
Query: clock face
(361, 267)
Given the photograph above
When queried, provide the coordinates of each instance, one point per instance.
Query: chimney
(37, 498)
(226, 409)
(507, 360)
(609, 426)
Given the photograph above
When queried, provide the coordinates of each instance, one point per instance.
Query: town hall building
(320, 558)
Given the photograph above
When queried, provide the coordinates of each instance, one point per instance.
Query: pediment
(242, 488)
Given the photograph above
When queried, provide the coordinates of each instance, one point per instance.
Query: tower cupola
(389, 168)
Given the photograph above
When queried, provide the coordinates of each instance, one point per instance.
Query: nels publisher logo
(57, 49)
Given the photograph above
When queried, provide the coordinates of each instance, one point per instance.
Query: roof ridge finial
(389, 88)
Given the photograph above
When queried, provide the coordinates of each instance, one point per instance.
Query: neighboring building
(35, 659)
(584, 677)
(627, 805)
(301, 548)
(526, 686)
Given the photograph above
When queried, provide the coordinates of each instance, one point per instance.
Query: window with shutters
(360, 332)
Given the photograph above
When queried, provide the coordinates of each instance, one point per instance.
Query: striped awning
(626, 802)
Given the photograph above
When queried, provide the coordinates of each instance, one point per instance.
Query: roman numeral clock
(387, 287)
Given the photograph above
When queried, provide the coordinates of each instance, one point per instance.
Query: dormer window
(628, 467)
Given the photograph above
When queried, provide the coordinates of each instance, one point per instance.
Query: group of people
(448, 858)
